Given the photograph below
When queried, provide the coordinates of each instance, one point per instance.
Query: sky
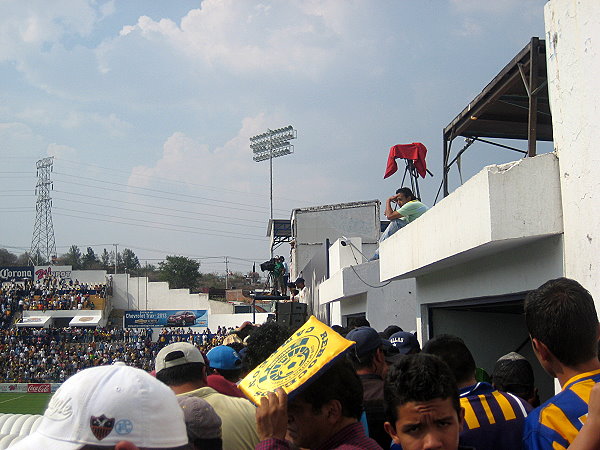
(147, 107)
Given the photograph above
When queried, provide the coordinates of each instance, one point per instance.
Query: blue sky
(148, 107)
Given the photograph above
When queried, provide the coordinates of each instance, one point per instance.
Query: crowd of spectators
(35, 355)
(384, 392)
(48, 293)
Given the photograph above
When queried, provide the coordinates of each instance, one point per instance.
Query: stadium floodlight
(272, 144)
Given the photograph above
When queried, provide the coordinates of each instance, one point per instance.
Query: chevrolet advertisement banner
(298, 359)
(166, 318)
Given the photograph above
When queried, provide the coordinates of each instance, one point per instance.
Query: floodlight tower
(43, 245)
(272, 144)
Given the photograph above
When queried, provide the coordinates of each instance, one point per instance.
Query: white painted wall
(312, 226)
(138, 293)
(233, 320)
(505, 272)
(355, 288)
(573, 59)
(89, 276)
(503, 206)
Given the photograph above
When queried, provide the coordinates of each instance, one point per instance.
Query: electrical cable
(164, 198)
(163, 192)
(218, 189)
(157, 228)
(158, 213)
(154, 206)
(157, 223)
(358, 276)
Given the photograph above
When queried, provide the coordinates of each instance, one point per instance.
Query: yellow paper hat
(296, 361)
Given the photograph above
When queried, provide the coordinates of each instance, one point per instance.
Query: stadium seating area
(49, 355)
(49, 293)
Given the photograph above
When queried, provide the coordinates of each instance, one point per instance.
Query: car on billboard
(182, 318)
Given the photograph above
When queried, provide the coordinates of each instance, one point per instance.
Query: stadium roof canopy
(514, 105)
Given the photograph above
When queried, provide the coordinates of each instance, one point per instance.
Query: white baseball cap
(188, 354)
(104, 405)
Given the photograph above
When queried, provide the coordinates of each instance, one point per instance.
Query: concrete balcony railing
(502, 207)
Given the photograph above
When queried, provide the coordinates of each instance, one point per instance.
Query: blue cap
(224, 357)
(405, 342)
(366, 338)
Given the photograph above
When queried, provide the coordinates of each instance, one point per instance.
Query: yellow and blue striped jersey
(555, 424)
(494, 419)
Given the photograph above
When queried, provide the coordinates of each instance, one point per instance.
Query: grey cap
(201, 420)
(190, 354)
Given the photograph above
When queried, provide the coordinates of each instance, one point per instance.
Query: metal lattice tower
(43, 245)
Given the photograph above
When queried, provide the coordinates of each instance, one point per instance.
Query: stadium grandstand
(42, 343)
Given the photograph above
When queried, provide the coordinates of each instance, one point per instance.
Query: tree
(23, 259)
(71, 258)
(180, 272)
(7, 258)
(90, 260)
(105, 260)
(130, 261)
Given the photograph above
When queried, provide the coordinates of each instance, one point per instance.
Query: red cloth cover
(415, 151)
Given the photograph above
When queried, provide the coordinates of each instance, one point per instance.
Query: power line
(121, 191)
(159, 228)
(216, 188)
(154, 206)
(160, 191)
(159, 213)
(152, 222)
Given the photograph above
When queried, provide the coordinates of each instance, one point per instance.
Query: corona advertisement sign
(301, 357)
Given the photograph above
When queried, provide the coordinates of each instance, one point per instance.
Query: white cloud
(469, 28)
(297, 37)
(185, 159)
(62, 151)
(29, 29)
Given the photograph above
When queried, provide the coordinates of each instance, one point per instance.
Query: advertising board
(166, 318)
(63, 272)
(16, 273)
(38, 388)
(31, 388)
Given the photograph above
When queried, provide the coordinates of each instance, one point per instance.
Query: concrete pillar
(573, 56)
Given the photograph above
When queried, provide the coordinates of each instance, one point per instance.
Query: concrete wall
(355, 288)
(89, 276)
(312, 226)
(502, 206)
(233, 320)
(138, 293)
(507, 272)
(573, 58)
(217, 307)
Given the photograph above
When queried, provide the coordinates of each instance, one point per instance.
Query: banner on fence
(29, 388)
(16, 273)
(63, 272)
(166, 318)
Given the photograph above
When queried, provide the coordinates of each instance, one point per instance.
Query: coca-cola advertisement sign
(38, 388)
(16, 273)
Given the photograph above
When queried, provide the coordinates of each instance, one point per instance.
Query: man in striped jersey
(494, 419)
(563, 326)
